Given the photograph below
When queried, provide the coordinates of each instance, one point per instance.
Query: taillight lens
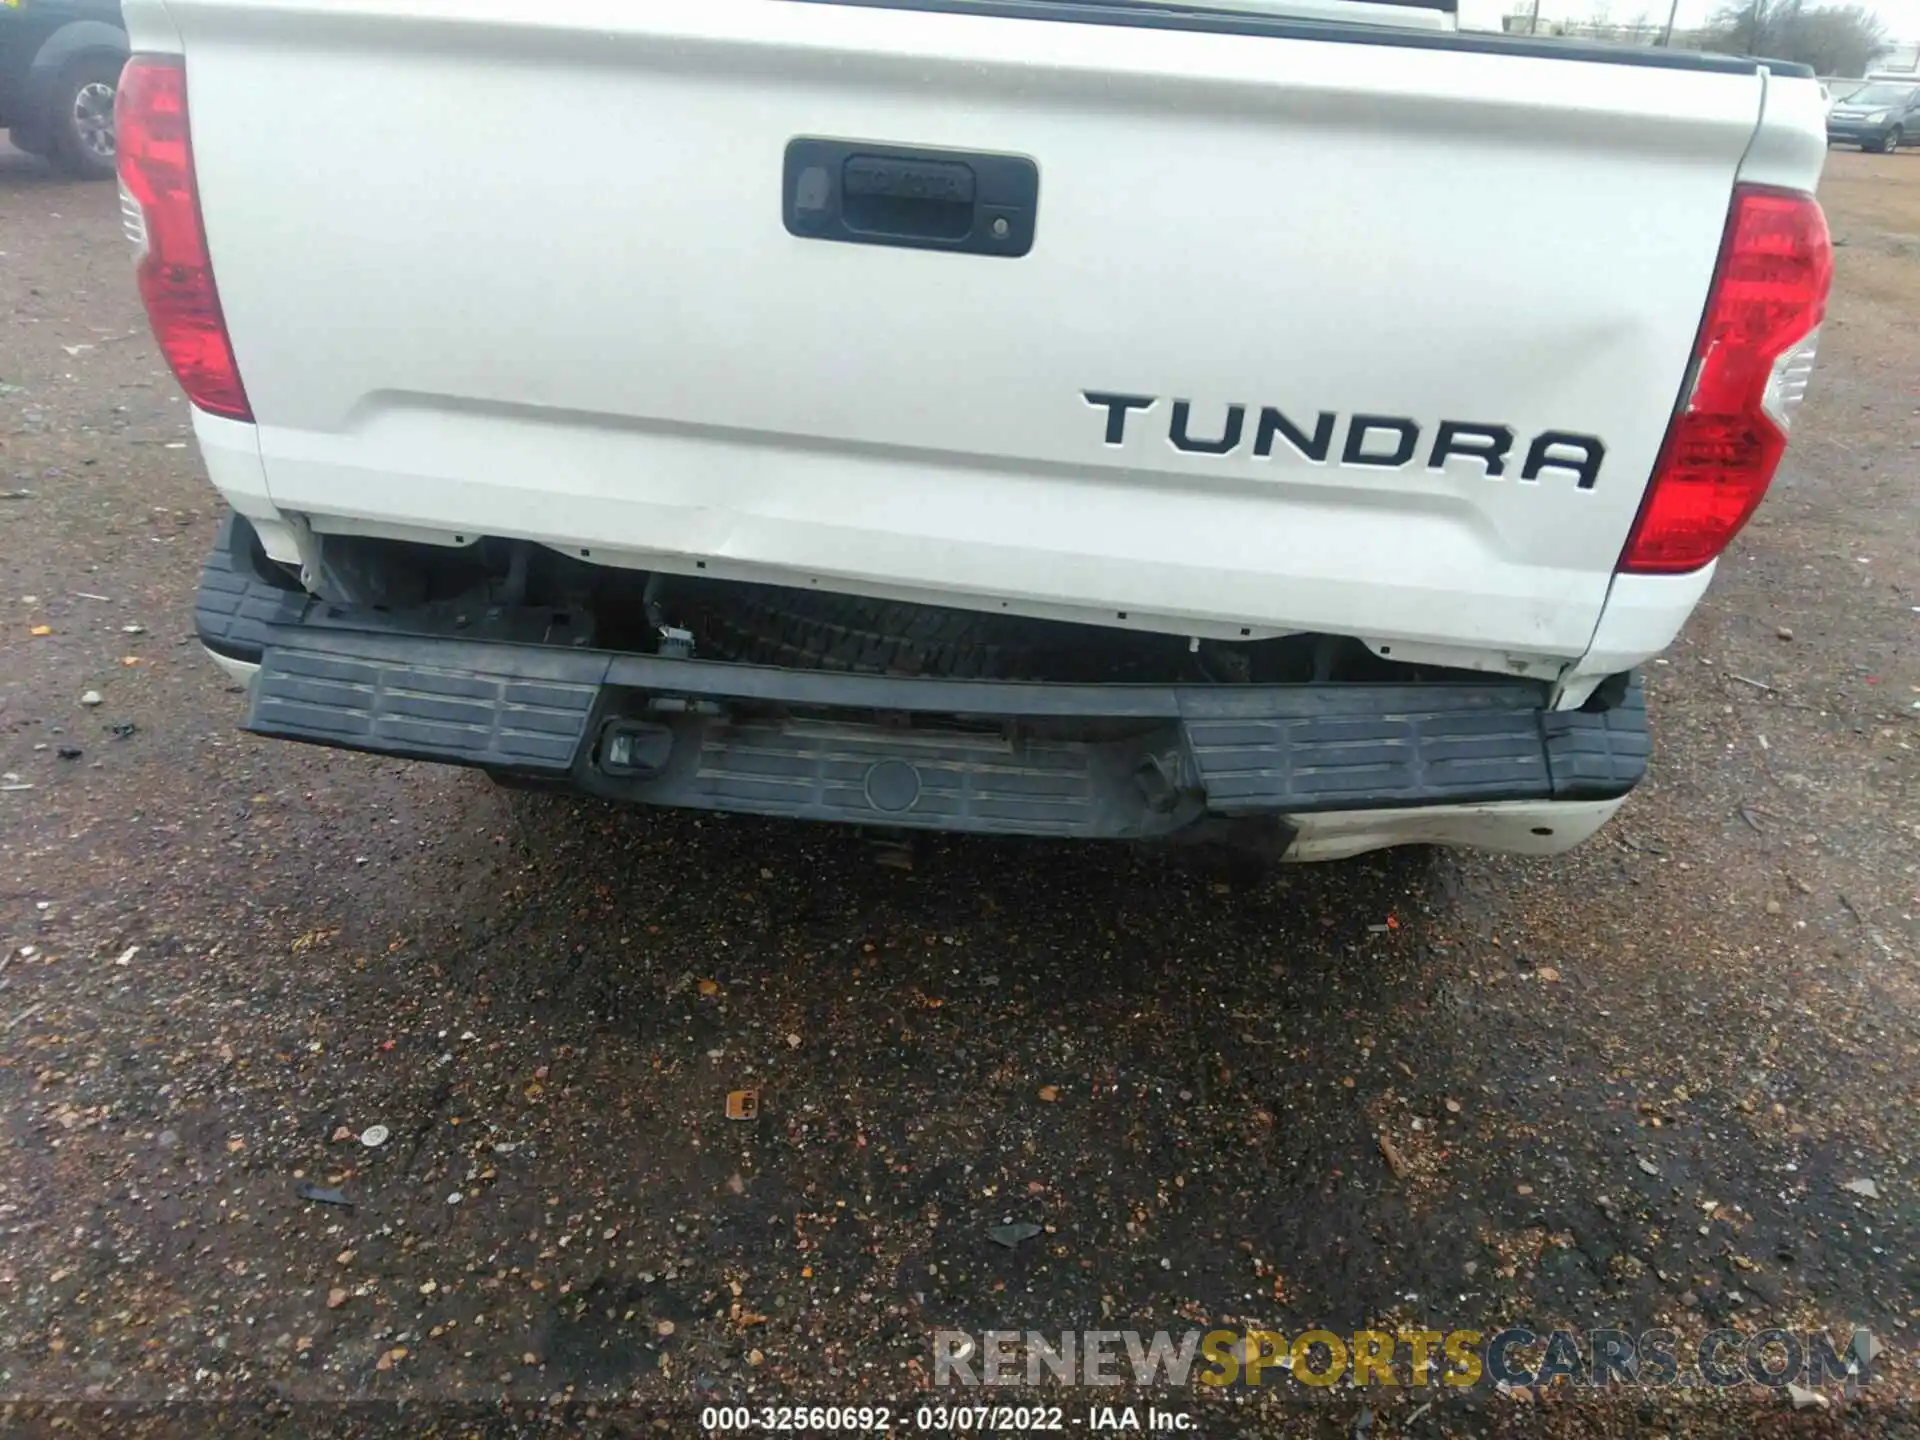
(161, 206)
(1749, 372)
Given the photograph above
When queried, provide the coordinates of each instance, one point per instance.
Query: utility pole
(1666, 36)
(1533, 20)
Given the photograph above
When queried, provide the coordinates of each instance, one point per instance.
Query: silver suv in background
(1881, 115)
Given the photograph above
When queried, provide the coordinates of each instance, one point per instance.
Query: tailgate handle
(922, 199)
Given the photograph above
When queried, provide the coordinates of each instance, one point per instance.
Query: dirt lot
(1626, 1087)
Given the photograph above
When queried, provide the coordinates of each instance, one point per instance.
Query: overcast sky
(1902, 17)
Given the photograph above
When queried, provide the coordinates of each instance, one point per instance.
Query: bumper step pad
(1192, 752)
(426, 711)
(235, 605)
(1408, 747)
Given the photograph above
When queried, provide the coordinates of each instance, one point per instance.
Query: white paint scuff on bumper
(241, 672)
(1519, 827)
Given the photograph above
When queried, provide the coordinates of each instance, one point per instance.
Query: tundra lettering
(1117, 407)
(1236, 417)
(1313, 448)
(1385, 442)
(1361, 426)
(1587, 467)
(1488, 442)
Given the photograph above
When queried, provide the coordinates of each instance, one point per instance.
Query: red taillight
(162, 208)
(1749, 371)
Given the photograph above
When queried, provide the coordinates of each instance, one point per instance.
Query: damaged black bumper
(1112, 761)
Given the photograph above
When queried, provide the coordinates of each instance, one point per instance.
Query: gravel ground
(1627, 1087)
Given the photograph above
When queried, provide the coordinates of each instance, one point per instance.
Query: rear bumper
(1327, 770)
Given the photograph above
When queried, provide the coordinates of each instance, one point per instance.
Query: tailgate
(525, 270)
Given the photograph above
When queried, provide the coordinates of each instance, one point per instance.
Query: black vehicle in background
(59, 68)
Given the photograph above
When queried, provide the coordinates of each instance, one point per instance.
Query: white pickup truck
(1055, 417)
